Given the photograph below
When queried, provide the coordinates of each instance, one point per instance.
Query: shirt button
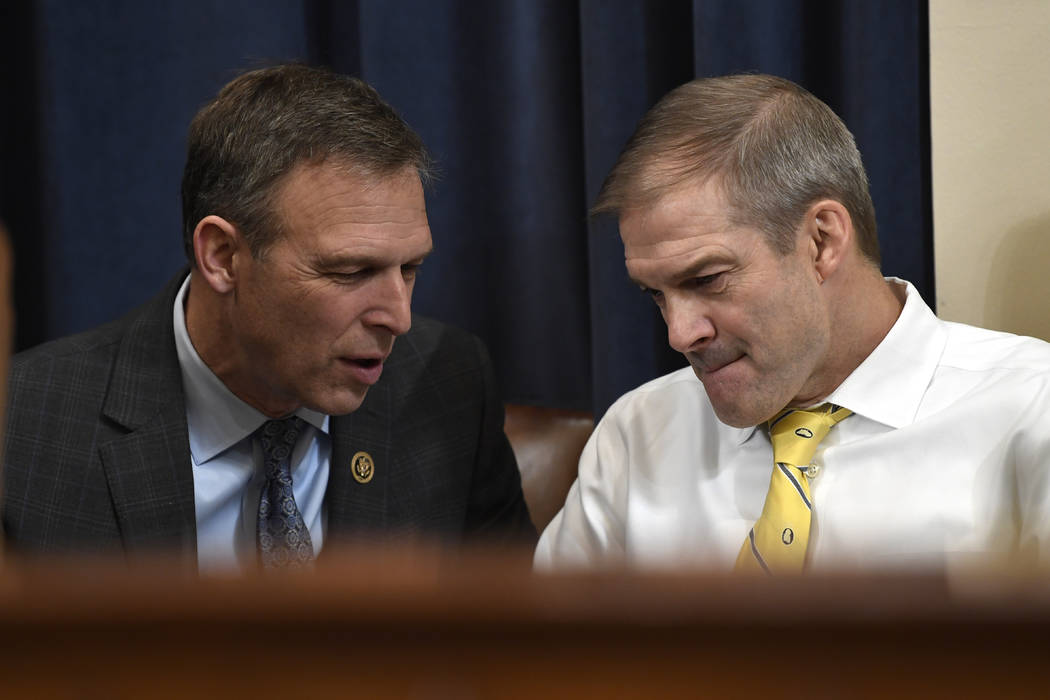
(813, 471)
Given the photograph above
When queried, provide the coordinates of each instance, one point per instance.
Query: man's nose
(393, 305)
(689, 326)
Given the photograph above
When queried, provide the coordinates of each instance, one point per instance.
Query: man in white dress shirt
(744, 212)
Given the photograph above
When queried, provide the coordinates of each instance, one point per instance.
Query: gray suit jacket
(97, 450)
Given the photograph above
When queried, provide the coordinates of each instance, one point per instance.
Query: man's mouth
(366, 370)
(709, 364)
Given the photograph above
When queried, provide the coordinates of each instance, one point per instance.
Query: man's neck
(206, 326)
(869, 307)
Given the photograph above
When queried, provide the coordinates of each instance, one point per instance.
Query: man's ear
(830, 230)
(215, 243)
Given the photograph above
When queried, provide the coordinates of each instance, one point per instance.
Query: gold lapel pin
(362, 467)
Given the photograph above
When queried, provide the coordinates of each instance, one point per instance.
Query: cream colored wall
(990, 124)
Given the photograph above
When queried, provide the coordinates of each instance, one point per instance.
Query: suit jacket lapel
(355, 507)
(148, 468)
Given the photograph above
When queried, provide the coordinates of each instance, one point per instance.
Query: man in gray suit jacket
(258, 408)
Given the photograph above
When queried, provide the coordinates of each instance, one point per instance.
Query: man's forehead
(309, 174)
(322, 190)
(673, 218)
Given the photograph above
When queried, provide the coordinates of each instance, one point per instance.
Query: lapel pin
(362, 467)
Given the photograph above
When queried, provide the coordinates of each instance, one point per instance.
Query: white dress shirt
(946, 461)
(227, 462)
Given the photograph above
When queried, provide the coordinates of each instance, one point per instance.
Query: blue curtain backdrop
(525, 105)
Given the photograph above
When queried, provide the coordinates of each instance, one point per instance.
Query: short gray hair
(774, 148)
(265, 123)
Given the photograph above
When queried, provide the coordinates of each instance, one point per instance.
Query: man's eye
(349, 277)
(410, 271)
(709, 281)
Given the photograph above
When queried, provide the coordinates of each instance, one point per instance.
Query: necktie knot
(277, 439)
(796, 433)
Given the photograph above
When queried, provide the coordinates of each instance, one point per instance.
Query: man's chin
(731, 410)
(739, 415)
(340, 405)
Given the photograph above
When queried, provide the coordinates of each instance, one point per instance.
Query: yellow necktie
(777, 542)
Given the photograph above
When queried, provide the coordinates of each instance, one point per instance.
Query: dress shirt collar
(889, 385)
(216, 418)
(908, 355)
(735, 436)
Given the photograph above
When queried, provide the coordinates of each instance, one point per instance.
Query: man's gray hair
(774, 148)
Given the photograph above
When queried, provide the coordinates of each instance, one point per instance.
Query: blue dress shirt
(227, 463)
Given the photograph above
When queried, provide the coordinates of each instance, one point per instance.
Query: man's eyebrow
(693, 269)
(340, 260)
(697, 267)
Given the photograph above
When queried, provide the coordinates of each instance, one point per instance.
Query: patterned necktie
(281, 535)
(777, 542)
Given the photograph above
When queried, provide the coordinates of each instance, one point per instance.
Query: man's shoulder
(71, 354)
(437, 362)
(427, 329)
(662, 403)
(975, 349)
(74, 360)
(436, 344)
(679, 384)
(94, 340)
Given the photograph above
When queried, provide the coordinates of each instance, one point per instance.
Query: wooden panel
(417, 623)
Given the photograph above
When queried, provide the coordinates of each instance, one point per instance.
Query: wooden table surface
(414, 622)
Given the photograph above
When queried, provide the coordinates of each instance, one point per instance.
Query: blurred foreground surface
(415, 622)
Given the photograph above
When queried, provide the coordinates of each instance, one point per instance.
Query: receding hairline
(656, 157)
(655, 181)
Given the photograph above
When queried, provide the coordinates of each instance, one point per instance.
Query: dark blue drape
(525, 105)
